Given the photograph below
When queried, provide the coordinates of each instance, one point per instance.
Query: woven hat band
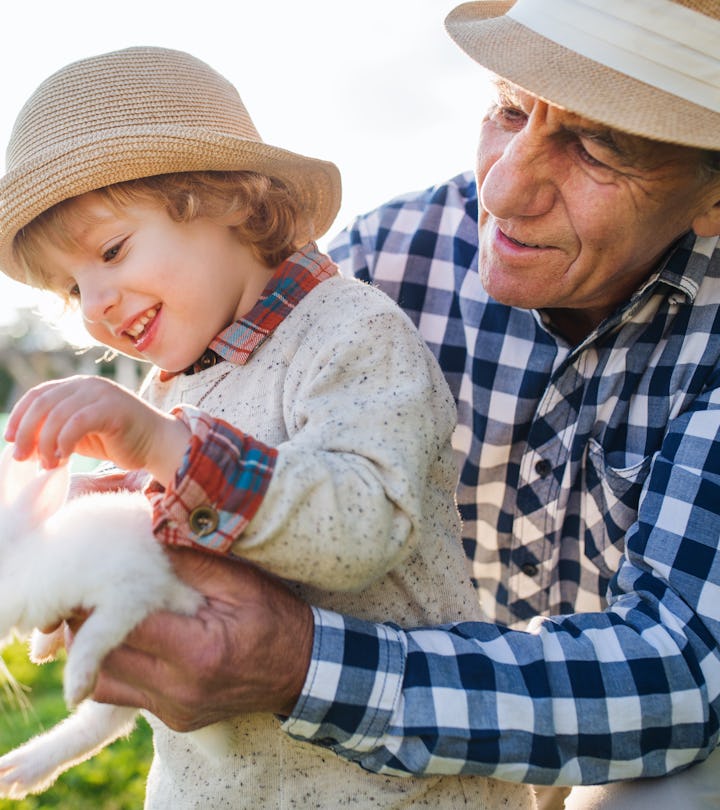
(658, 42)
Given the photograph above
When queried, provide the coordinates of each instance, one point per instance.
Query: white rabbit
(96, 552)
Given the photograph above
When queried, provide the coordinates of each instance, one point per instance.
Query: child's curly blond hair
(264, 213)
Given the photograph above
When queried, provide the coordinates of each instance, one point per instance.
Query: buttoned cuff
(218, 488)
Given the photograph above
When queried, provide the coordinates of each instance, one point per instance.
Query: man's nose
(523, 181)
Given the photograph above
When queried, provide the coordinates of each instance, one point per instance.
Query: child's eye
(73, 292)
(112, 252)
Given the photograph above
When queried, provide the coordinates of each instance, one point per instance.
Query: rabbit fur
(95, 552)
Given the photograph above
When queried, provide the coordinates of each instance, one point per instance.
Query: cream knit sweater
(360, 513)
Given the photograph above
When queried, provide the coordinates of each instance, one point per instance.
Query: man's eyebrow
(506, 91)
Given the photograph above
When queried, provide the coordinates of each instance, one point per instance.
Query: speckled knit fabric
(360, 513)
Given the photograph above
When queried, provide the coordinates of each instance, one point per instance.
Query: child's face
(150, 287)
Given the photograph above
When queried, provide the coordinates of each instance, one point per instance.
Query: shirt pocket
(611, 496)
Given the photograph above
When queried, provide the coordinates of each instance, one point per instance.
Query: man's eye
(512, 114)
(586, 157)
(507, 116)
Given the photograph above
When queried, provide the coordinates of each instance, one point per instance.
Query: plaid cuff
(353, 684)
(218, 488)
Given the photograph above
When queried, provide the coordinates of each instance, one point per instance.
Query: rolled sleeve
(217, 489)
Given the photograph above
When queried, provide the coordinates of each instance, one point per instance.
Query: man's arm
(467, 698)
(475, 698)
(594, 697)
(633, 691)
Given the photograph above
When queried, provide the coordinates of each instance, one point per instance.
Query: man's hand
(248, 650)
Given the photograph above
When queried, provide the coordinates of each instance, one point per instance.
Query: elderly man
(571, 293)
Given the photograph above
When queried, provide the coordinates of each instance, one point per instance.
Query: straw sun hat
(136, 113)
(647, 67)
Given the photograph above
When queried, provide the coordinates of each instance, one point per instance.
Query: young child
(291, 416)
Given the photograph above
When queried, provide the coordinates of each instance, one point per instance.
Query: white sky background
(377, 86)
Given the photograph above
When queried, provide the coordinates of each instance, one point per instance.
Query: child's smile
(141, 329)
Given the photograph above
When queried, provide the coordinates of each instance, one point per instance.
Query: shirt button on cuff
(203, 520)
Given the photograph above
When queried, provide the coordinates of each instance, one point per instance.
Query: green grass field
(112, 780)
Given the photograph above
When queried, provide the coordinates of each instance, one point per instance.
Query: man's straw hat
(136, 113)
(647, 67)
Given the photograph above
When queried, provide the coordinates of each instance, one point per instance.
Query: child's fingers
(70, 424)
(25, 422)
(17, 414)
(54, 411)
(88, 415)
(38, 419)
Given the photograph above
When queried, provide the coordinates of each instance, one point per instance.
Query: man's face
(574, 216)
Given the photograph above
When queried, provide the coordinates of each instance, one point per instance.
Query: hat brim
(567, 79)
(121, 155)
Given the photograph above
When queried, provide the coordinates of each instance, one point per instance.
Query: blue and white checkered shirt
(590, 493)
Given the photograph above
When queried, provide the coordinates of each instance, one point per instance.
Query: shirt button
(208, 359)
(543, 468)
(529, 569)
(203, 520)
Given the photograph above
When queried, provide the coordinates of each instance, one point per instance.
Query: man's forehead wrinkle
(512, 92)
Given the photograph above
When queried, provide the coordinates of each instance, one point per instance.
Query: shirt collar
(683, 268)
(290, 283)
(686, 265)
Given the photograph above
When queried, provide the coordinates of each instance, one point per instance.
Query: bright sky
(378, 87)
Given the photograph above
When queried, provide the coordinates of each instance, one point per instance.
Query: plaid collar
(291, 282)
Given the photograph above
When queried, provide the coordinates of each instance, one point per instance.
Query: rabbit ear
(35, 493)
(46, 494)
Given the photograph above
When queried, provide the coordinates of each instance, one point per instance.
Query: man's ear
(708, 223)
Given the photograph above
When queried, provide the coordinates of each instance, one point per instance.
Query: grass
(113, 780)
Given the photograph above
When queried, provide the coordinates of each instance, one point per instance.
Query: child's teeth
(139, 326)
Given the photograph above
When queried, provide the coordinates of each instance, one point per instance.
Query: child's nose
(97, 301)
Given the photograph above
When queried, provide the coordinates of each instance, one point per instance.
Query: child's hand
(95, 417)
